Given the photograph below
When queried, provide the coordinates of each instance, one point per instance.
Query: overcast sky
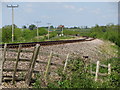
(66, 13)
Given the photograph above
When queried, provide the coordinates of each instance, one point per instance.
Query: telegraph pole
(37, 22)
(48, 29)
(12, 6)
(62, 29)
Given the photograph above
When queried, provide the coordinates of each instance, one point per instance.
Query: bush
(42, 31)
(105, 32)
(21, 35)
(6, 34)
(77, 77)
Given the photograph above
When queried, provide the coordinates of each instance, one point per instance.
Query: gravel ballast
(92, 49)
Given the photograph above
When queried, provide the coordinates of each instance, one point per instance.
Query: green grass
(76, 76)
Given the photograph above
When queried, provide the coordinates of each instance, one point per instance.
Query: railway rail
(46, 43)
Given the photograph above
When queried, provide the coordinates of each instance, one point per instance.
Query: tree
(75, 27)
(24, 27)
(10, 26)
(110, 24)
(86, 27)
(32, 27)
(96, 26)
(6, 33)
(51, 27)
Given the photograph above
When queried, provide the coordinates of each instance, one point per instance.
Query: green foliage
(115, 75)
(27, 34)
(76, 76)
(42, 31)
(70, 32)
(6, 34)
(53, 34)
(105, 32)
(76, 79)
(21, 35)
(79, 78)
(37, 83)
(18, 34)
(32, 27)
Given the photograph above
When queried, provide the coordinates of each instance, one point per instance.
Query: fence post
(38, 55)
(17, 59)
(2, 60)
(32, 64)
(48, 66)
(97, 70)
(66, 63)
(4, 53)
(109, 69)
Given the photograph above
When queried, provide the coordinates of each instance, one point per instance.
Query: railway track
(45, 43)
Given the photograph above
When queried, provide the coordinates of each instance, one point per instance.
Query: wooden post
(38, 55)
(17, 59)
(32, 57)
(30, 61)
(2, 60)
(4, 53)
(48, 66)
(66, 63)
(109, 69)
(97, 70)
(32, 64)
